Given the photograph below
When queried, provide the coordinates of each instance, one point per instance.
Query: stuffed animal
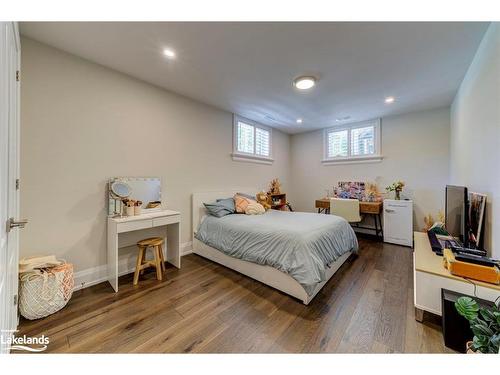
(263, 200)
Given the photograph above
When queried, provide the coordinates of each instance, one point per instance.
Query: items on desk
(349, 190)
(487, 271)
(371, 193)
(437, 226)
(362, 191)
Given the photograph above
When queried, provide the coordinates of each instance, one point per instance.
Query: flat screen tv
(456, 212)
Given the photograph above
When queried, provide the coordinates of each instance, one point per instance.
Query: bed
(296, 253)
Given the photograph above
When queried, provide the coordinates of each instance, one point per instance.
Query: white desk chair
(346, 208)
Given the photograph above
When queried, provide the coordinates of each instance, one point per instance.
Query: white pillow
(255, 209)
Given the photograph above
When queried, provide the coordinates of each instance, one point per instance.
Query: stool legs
(162, 259)
(158, 262)
(138, 264)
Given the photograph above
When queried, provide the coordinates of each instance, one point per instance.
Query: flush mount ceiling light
(299, 121)
(169, 53)
(389, 100)
(304, 83)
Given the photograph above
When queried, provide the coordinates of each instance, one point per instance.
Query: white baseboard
(96, 275)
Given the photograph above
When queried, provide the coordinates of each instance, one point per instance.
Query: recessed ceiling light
(304, 83)
(169, 53)
(345, 118)
(299, 121)
(389, 99)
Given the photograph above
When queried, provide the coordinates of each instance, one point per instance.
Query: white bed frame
(265, 274)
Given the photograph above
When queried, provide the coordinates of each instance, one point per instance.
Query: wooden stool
(158, 262)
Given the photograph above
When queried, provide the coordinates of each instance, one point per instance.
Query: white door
(9, 174)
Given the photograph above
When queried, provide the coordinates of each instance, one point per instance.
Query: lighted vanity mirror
(144, 189)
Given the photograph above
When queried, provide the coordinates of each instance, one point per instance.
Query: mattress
(300, 244)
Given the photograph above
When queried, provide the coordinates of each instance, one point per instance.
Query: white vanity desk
(164, 218)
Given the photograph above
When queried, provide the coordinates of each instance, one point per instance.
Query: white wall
(82, 123)
(475, 133)
(415, 147)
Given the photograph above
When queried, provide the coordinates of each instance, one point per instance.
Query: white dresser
(398, 222)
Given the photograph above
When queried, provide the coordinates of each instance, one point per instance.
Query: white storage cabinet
(398, 222)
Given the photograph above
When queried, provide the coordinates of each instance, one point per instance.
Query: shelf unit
(277, 201)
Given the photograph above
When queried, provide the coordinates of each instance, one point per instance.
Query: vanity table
(168, 219)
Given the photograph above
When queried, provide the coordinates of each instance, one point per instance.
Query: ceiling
(248, 68)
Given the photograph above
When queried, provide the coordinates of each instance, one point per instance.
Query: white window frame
(350, 159)
(251, 157)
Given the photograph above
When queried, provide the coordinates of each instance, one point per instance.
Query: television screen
(456, 211)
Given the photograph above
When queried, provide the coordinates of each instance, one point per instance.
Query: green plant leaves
(484, 323)
(480, 343)
(481, 329)
(467, 307)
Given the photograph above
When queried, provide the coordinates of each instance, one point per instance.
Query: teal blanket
(301, 244)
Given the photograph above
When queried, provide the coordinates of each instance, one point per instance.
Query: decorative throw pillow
(227, 203)
(252, 197)
(217, 209)
(241, 203)
(255, 209)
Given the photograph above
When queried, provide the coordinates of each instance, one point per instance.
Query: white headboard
(199, 198)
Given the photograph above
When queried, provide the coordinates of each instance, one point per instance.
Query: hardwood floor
(367, 307)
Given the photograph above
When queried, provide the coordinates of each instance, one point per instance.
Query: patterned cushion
(241, 203)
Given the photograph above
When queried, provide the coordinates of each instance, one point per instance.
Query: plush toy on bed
(263, 200)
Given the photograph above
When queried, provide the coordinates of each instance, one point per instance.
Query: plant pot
(137, 210)
(468, 347)
(398, 196)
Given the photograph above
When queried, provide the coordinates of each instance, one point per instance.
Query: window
(353, 143)
(252, 141)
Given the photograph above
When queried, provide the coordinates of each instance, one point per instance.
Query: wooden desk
(365, 208)
(430, 277)
(168, 219)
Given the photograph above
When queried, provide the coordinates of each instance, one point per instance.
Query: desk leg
(173, 244)
(381, 226)
(376, 225)
(419, 315)
(113, 256)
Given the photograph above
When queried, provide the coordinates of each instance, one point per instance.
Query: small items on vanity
(146, 190)
(137, 208)
(129, 207)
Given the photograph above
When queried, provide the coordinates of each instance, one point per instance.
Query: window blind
(337, 143)
(363, 141)
(262, 142)
(245, 138)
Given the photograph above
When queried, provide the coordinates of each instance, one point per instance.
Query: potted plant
(396, 187)
(484, 323)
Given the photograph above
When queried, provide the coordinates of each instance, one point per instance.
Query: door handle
(388, 211)
(12, 223)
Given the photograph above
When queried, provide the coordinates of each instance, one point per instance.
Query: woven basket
(42, 294)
